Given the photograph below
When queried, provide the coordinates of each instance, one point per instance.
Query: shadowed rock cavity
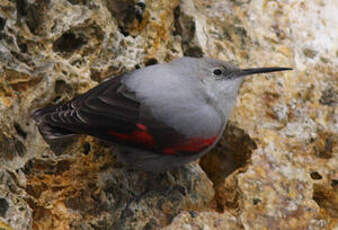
(128, 13)
(68, 42)
(2, 23)
(3, 207)
(326, 197)
(11, 146)
(33, 14)
(231, 154)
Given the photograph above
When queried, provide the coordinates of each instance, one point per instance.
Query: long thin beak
(245, 72)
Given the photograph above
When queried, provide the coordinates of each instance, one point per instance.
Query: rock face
(276, 166)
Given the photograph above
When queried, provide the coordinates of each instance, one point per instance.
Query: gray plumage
(163, 116)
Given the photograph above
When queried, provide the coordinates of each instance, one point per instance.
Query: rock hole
(151, 61)
(139, 9)
(11, 147)
(128, 14)
(19, 130)
(68, 42)
(316, 176)
(180, 189)
(59, 87)
(21, 7)
(2, 23)
(329, 97)
(123, 31)
(141, 4)
(310, 53)
(151, 225)
(23, 47)
(35, 15)
(3, 207)
(177, 28)
(77, 2)
(256, 201)
(73, 2)
(326, 197)
(36, 190)
(334, 183)
(62, 89)
(86, 148)
(95, 75)
(193, 52)
(231, 154)
(27, 169)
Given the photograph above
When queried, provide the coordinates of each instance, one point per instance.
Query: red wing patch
(191, 145)
(142, 126)
(144, 138)
(138, 137)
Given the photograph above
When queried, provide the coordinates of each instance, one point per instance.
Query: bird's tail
(50, 132)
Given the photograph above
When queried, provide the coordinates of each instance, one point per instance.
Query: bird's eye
(217, 72)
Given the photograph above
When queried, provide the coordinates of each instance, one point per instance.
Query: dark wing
(111, 112)
(103, 107)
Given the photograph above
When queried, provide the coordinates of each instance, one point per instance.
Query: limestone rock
(204, 220)
(276, 166)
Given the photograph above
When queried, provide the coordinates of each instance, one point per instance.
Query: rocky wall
(276, 166)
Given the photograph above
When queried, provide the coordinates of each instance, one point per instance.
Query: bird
(161, 117)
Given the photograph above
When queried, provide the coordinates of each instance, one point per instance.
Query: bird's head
(220, 80)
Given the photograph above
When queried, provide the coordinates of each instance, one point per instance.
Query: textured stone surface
(203, 220)
(275, 167)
